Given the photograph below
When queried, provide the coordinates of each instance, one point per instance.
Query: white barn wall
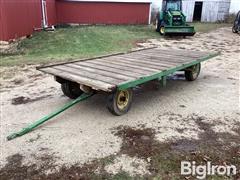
(223, 10)
(215, 10)
(188, 9)
(212, 10)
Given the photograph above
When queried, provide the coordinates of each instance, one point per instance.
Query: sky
(235, 6)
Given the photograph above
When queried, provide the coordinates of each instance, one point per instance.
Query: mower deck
(179, 30)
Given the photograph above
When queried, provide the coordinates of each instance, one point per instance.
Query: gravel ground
(84, 132)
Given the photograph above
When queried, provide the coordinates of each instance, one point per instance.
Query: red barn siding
(3, 32)
(51, 12)
(19, 18)
(102, 12)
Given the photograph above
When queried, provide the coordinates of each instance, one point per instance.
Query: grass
(78, 42)
(82, 42)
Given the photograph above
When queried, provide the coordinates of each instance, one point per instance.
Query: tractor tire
(162, 30)
(157, 25)
(119, 102)
(71, 90)
(192, 72)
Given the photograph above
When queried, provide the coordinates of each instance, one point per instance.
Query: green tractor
(171, 21)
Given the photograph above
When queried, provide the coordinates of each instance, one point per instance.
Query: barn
(206, 10)
(21, 18)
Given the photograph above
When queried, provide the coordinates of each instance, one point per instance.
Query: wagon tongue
(48, 117)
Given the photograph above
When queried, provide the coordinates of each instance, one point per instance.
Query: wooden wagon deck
(127, 69)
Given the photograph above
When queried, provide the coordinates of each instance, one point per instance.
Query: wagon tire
(71, 90)
(119, 102)
(192, 72)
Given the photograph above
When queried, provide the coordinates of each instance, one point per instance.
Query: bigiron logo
(202, 171)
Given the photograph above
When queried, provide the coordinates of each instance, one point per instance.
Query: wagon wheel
(192, 72)
(120, 102)
(71, 89)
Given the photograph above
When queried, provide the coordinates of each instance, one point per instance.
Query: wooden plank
(115, 60)
(110, 69)
(156, 67)
(81, 80)
(92, 58)
(164, 58)
(149, 50)
(162, 55)
(182, 57)
(147, 66)
(156, 56)
(127, 68)
(88, 75)
(173, 52)
(100, 72)
(149, 62)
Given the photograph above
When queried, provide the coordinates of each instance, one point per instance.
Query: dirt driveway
(183, 115)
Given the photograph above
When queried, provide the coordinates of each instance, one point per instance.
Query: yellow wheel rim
(162, 30)
(123, 99)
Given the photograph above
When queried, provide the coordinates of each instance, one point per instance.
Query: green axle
(48, 117)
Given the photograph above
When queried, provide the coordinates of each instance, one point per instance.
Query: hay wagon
(118, 74)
